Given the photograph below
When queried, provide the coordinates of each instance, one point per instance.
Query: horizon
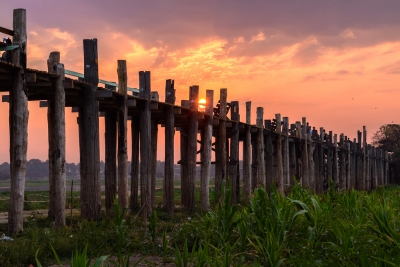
(333, 63)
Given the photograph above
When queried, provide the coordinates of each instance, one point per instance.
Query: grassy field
(300, 229)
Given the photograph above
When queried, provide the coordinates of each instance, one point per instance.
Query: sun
(202, 103)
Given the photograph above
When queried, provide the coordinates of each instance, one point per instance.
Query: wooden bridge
(274, 151)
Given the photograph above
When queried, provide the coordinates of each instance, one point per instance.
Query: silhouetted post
(342, 160)
(206, 144)
(260, 149)
(183, 161)
(220, 157)
(234, 153)
(247, 154)
(321, 159)
(269, 155)
(89, 135)
(135, 125)
(316, 158)
(56, 120)
(254, 168)
(122, 133)
(145, 143)
(374, 165)
(304, 155)
(292, 157)
(285, 153)
(192, 147)
(278, 174)
(364, 159)
(329, 164)
(168, 189)
(110, 168)
(18, 121)
(359, 162)
(153, 159)
(311, 164)
(335, 176)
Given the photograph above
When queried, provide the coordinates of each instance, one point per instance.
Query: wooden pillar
(335, 172)
(110, 168)
(381, 168)
(89, 135)
(192, 147)
(304, 155)
(278, 174)
(342, 163)
(386, 177)
(220, 157)
(183, 161)
(254, 169)
(234, 153)
(269, 155)
(359, 162)
(321, 163)
(348, 164)
(18, 123)
(285, 153)
(364, 159)
(261, 182)
(316, 159)
(329, 164)
(247, 154)
(311, 164)
(122, 133)
(292, 156)
(353, 165)
(168, 188)
(374, 165)
(145, 144)
(206, 151)
(135, 129)
(56, 119)
(153, 159)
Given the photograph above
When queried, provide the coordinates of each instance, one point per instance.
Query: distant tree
(388, 138)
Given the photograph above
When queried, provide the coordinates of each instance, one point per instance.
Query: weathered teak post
(110, 168)
(89, 135)
(134, 202)
(268, 155)
(18, 119)
(234, 153)
(183, 161)
(153, 159)
(254, 169)
(168, 189)
(304, 155)
(349, 165)
(342, 160)
(285, 153)
(374, 165)
(335, 176)
(220, 155)
(311, 164)
(206, 144)
(364, 159)
(192, 148)
(145, 143)
(359, 162)
(316, 158)
(292, 157)
(329, 165)
(278, 176)
(247, 154)
(56, 120)
(122, 135)
(261, 178)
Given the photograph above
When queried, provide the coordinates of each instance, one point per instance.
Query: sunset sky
(335, 62)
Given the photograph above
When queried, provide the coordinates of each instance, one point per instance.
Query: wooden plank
(135, 128)
(131, 103)
(206, 149)
(43, 104)
(122, 134)
(168, 188)
(176, 110)
(104, 94)
(30, 77)
(247, 155)
(6, 31)
(89, 136)
(5, 98)
(18, 119)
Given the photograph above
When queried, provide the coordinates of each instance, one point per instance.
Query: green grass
(300, 229)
